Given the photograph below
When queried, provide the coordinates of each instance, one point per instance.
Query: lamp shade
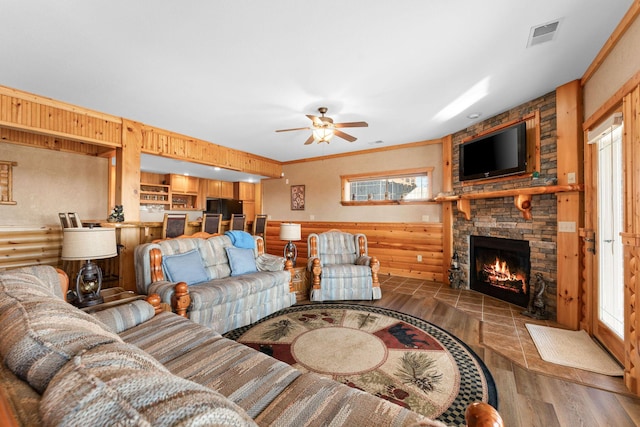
(89, 243)
(289, 231)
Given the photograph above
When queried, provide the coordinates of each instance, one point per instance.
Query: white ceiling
(232, 72)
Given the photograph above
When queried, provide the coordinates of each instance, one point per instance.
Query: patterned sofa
(229, 286)
(137, 365)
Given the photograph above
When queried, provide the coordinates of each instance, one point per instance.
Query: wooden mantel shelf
(521, 197)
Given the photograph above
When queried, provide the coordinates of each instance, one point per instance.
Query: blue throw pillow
(186, 267)
(241, 261)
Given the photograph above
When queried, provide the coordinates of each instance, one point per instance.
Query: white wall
(46, 182)
(323, 187)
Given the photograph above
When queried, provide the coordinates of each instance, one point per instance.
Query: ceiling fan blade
(352, 125)
(344, 135)
(287, 130)
(309, 140)
(315, 120)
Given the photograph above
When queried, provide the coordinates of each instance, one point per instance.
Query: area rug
(397, 357)
(575, 349)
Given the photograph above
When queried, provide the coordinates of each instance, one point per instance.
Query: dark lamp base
(89, 300)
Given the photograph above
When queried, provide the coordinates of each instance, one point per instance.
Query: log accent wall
(631, 237)
(23, 246)
(396, 245)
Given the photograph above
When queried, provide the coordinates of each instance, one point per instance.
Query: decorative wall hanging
(297, 197)
(6, 182)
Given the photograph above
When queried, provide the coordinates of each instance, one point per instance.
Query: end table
(301, 283)
(113, 297)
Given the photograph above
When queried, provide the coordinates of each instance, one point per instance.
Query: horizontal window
(392, 186)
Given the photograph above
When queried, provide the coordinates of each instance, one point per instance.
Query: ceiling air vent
(543, 33)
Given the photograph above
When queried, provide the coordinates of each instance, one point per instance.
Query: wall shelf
(154, 194)
(521, 197)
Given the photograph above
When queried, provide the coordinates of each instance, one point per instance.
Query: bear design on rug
(401, 333)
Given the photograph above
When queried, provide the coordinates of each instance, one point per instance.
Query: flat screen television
(499, 153)
(226, 207)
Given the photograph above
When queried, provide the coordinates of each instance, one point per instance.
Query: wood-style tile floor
(531, 392)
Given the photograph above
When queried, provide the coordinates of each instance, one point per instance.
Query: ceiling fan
(323, 129)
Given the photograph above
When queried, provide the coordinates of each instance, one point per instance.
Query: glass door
(609, 325)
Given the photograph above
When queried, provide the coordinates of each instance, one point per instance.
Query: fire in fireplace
(500, 268)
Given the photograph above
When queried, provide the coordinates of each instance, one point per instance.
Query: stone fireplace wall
(499, 217)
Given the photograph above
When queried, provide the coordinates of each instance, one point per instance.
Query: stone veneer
(499, 217)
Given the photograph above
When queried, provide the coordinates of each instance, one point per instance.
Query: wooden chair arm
(181, 299)
(7, 417)
(288, 266)
(375, 268)
(155, 264)
(480, 414)
(64, 282)
(156, 302)
(316, 271)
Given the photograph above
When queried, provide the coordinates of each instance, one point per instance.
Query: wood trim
(447, 164)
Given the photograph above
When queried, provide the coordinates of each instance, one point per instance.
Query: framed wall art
(297, 197)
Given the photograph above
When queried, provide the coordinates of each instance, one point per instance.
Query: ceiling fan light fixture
(322, 134)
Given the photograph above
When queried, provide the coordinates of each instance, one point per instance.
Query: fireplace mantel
(521, 197)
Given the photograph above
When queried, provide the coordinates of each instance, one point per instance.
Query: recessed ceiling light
(376, 142)
(473, 116)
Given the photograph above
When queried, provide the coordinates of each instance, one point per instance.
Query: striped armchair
(341, 268)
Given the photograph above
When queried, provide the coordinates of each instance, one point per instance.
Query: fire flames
(498, 274)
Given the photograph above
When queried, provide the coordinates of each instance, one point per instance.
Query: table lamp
(87, 244)
(290, 232)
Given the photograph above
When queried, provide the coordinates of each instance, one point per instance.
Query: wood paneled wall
(42, 122)
(35, 114)
(23, 246)
(631, 238)
(396, 245)
(170, 144)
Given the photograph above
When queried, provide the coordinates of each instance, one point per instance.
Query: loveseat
(137, 365)
(231, 283)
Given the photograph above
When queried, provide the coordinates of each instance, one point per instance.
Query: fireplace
(500, 268)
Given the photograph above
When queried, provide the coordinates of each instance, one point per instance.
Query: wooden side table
(301, 283)
(113, 297)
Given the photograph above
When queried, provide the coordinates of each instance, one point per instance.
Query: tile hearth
(502, 328)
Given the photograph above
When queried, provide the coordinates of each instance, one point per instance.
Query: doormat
(575, 349)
